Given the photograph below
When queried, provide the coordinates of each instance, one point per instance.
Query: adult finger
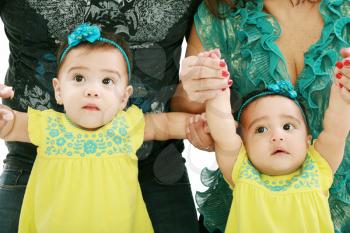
(203, 61)
(345, 94)
(199, 72)
(210, 84)
(345, 52)
(343, 78)
(216, 51)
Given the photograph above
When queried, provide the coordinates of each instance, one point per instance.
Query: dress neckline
(276, 49)
(74, 127)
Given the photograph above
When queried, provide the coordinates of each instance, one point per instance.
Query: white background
(196, 159)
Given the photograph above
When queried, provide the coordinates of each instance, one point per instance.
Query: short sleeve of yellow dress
(34, 125)
(137, 125)
(85, 180)
(296, 202)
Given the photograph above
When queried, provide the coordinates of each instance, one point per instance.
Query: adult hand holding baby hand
(204, 76)
(197, 132)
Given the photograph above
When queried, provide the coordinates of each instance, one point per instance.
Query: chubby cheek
(115, 92)
(109, 113)
(72, 109)
(255, 143)
(257, 149)
(112, 105)
(302, 151)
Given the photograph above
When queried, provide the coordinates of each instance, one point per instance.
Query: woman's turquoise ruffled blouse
(246, 38)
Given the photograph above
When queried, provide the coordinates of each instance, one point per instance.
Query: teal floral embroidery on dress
(117, 140)
(114, 140)
(308, 178)
(122, 131)
(90, 147)
(53, 133)
(60, 142)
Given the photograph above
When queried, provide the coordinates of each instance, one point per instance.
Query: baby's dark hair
(97, 44)
(237, 104)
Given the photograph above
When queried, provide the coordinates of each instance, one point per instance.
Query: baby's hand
(6, 92)
(197, 132)
(7, 119)
(6, 114)
(204, 76)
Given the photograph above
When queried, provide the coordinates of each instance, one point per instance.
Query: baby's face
(275, 135)
(92, 85)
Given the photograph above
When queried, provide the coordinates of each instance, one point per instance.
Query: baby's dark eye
(261, 130)
(288, 126)
(78, 78)
(107, 81)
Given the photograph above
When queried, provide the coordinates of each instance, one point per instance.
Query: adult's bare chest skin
(298, 34)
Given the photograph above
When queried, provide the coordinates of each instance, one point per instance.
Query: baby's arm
(13, 124)
(223, 130)
(336, 125)
(165, 126)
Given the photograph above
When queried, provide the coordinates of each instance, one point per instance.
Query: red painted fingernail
(225, 74)
(229, 82)
(222, 63)
(339, 65)
(339, 75)
(340, 85)
(223, 89)
(347, 63)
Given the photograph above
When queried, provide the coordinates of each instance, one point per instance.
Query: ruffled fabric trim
(218, 196)
(259, 54)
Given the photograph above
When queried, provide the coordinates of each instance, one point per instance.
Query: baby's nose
(92, 93)
(277, 136)
(277, 139)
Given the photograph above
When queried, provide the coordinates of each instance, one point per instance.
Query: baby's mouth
(279, 151)
(91, 107)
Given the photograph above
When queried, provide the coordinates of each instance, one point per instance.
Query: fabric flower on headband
(91, 33)
(283, 88)
(84, 32)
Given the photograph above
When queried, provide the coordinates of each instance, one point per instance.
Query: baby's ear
(127, 93)
(309, 140)
(57, 89)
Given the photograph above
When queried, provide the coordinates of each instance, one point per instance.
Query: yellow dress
(294, 203)
(84, 181)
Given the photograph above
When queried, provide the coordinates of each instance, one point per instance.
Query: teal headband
(283, 88)
(91, 33)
